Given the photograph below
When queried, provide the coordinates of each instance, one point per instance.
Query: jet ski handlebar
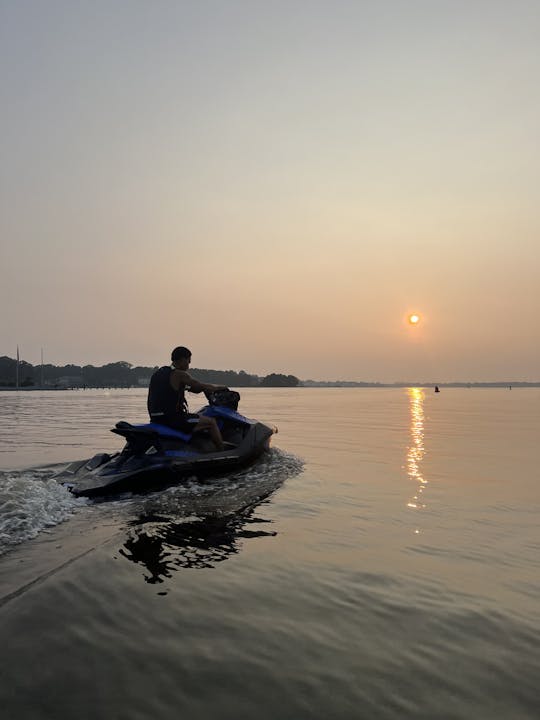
(224, 398)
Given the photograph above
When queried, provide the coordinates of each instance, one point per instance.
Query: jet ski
(156, 456)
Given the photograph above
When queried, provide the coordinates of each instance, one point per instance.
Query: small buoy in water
(437, 388)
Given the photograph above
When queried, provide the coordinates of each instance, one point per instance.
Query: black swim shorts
(184, 422)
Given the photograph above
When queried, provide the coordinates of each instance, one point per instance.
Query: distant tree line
(278, 380)
(123, 374)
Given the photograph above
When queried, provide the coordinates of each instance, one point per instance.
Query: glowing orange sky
(276, 187)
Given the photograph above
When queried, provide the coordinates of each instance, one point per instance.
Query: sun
(414, 319)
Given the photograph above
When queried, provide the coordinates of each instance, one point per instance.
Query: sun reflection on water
(416, 451)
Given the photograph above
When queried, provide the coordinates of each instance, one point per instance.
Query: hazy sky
(274, 184)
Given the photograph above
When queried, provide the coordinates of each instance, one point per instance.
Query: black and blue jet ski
(156, 456)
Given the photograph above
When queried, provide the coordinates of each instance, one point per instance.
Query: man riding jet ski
(175, 443)
(167, 403)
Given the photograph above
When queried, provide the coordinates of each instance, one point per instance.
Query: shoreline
(343, 385)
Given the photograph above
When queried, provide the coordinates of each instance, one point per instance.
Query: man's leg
(206, 423)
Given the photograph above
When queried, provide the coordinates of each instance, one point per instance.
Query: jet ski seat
(124, 428)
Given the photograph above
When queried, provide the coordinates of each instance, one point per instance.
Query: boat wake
(31, 502)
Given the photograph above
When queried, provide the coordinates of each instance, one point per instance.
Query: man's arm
(181, 377)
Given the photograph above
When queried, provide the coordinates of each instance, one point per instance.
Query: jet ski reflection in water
(162, 546)
(156, 455)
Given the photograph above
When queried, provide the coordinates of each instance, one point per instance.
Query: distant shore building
(69, 381)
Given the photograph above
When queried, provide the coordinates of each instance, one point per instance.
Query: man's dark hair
(180, 352)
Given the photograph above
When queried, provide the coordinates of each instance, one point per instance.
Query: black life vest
(162, 398)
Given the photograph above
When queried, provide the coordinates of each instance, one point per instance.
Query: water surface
(380, 562)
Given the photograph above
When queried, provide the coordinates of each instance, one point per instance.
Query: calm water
(380, 562)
